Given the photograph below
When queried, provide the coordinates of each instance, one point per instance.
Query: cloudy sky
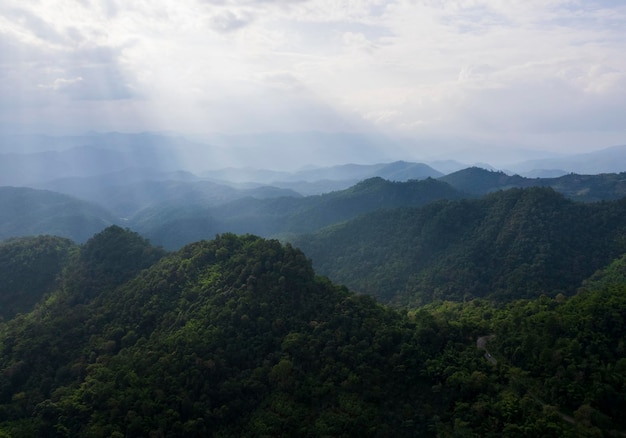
(532, 73)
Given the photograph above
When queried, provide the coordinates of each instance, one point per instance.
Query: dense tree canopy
(29, 269)
(238, 336)
(518, 243)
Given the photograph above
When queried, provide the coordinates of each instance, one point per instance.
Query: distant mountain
(585, 188)
(447, 166)
(278, 215)
(589, 187)
(85, 186)
(544, 173)
(126, 199)
(609, 160)
(27, 212)
(345, 174)
(27, 160)
(395, 171)
(512, 244)
(403, 171)
(96, 154)
(480, 181)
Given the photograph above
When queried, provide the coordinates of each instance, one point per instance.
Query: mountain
(518, 243)
(404, 171)
(30, 160)
(480, 181)
(326, 179)
(25, 212)
(124, 200)
(233, 337)
(608, 160)
(29, 270)
(177, 223)
(585, 188)
(97, 154)
(395, 171)
(238, 337)
(86, 186)
(589, 188)
(560, 362)
(175, 208)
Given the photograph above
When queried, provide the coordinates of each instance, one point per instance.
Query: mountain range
(237, 336)
(30, 160)
(518, 242)
(175, 208)
(148, 292)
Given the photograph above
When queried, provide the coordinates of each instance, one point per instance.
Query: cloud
(228, 21)
(478, 68)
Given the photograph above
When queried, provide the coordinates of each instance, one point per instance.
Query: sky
(537, 74)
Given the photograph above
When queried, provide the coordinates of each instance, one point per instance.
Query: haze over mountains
(120, 265)
(264, 158)
(270, 218)
(173, 191)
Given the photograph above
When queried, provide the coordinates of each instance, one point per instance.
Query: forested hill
(29, 269)
(176, 208)
(174, 224)
(25, 212)
(518, 243)
(563, 357)
(233, 337)
(585, 188)
(238, 337)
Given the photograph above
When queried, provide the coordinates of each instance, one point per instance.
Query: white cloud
(483, 69)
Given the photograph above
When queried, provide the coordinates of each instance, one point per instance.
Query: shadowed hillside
(511, 244)
(26, 212)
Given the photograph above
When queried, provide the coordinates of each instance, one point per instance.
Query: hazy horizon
(278, 151)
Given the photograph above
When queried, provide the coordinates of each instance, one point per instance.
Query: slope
(25, 212)
(173, 225)
(233, 337)
(238, 337)
(586, 188)
(29, 268)
(607, 160)
(511, 244)
(553, 366)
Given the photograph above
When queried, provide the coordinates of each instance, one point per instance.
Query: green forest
(518, 243)
(500, 315)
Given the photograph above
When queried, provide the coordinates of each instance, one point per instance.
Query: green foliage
(480, 181)
(518, 243)
(585, 188)
(237, 336)
(108, 259)
(27, 212)
(174, 224)
(559, 363)
(29, 268)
